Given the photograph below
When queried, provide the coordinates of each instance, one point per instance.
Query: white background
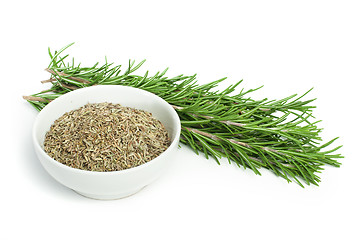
(287, 46)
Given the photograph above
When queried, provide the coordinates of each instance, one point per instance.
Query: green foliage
(279, 135)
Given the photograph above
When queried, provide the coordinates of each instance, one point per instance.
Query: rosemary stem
(48, 80)
(227, 122)
(214, 137)
(37, 99)
(66, 75)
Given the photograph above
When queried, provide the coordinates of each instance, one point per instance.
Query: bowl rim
(174, 143)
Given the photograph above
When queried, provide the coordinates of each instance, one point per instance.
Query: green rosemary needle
(279, 135)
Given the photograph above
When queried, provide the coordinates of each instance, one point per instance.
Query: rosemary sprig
(278, 135)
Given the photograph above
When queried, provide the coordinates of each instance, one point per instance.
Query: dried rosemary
(106, 137)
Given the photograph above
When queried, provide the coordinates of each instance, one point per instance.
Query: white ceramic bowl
(116, 184)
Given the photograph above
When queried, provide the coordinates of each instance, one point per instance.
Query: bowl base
(109, 197)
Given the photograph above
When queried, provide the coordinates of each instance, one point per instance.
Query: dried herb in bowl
(106, 137)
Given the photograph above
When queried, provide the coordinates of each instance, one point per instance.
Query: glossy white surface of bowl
(116, 184)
